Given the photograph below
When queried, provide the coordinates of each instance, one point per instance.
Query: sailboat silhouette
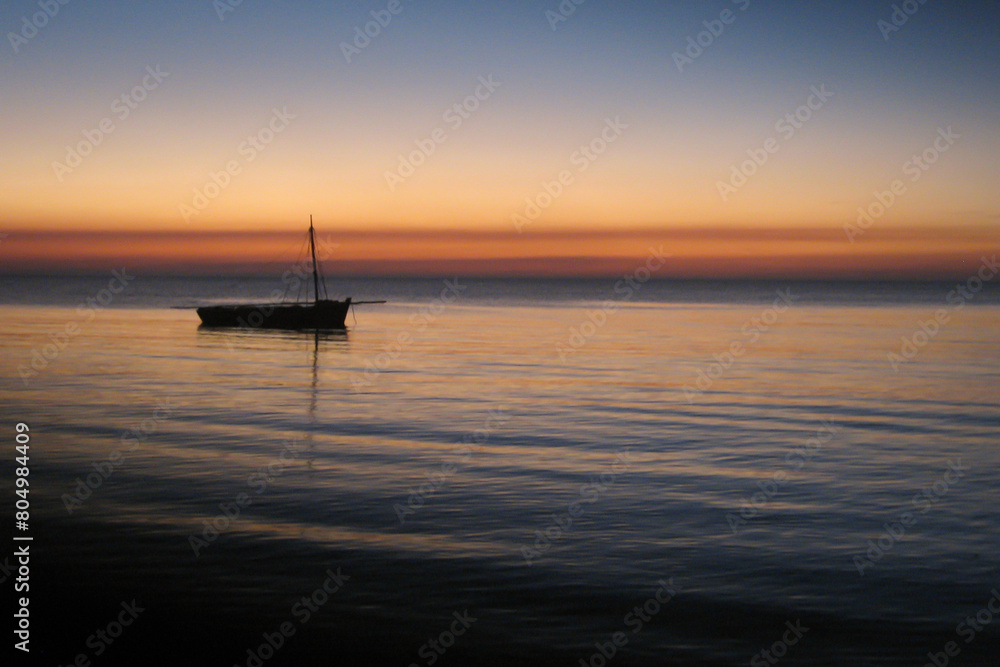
(319, 314)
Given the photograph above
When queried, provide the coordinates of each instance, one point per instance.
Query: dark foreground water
(510, 473)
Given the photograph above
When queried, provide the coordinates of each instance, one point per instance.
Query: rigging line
(305, 267)
(285, 292)
(303, 292)
(319, 272)
(315, 267)
(297, 270)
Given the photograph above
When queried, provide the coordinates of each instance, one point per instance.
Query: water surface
(523, 455)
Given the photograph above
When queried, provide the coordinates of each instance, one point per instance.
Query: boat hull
(320, 315)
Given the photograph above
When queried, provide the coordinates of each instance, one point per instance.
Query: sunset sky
(249, 118)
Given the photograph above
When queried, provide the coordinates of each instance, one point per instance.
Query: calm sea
(509, 472)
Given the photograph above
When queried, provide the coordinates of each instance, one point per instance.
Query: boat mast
(312, 249)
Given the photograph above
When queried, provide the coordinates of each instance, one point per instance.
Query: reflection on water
(424, 465)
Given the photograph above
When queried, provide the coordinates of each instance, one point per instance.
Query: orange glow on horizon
(924, 253)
